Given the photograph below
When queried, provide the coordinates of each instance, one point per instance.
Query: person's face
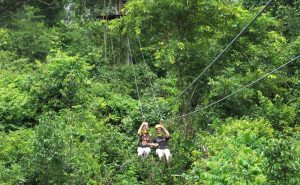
(158, 130)
(145, 127)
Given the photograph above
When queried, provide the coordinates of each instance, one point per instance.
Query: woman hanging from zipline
(145, 139)
(161, 142)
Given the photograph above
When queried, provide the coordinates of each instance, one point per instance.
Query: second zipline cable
(242, 88)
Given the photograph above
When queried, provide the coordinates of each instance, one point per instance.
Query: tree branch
(49, 4)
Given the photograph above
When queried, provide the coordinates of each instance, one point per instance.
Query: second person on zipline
(161, 142)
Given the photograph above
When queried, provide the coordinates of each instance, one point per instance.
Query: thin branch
(49, 4)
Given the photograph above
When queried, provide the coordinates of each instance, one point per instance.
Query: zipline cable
(135, 79)
(242, 88)
(150, 82)
(224, 50)
(105, 30)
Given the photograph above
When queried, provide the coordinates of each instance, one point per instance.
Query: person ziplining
(161, 142)
(145, 138)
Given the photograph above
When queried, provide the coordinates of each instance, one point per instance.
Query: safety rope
(240, 89)
(135, 80)
(223, 51)
(150, 82)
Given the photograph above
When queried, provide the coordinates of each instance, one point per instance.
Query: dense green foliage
(70, 109)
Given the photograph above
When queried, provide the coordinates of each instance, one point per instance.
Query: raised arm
(165, 130)
(140, 129)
